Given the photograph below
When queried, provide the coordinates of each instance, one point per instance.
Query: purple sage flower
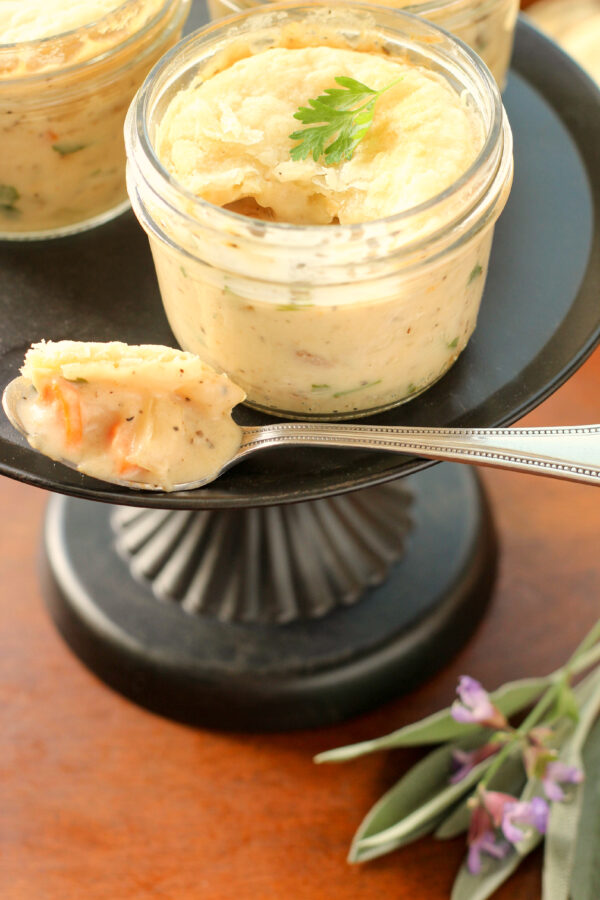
(466, 760)
(484, 837)
(474, 705)
(532, 813)
(559, 773)
(497, 821)
(489, 844)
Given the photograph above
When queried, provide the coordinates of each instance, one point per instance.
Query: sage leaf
(421, 797)
(357, 854)
(509, 779)
(585, 877)
(561, 837)
(510, 699)
(495, 872)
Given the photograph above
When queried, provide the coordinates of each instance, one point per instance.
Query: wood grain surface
(100, 800)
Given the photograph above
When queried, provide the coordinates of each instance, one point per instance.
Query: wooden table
(101, 800)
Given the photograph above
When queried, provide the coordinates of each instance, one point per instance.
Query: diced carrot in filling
(121, 446)
(65, 398)
(122, 438)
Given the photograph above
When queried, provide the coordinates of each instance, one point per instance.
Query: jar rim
(23, 46)
(416, 7)
(136, 128)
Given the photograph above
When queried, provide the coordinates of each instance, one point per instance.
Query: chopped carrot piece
(66, 398)
(121, 437)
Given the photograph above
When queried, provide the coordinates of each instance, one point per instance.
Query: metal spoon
(569, 452)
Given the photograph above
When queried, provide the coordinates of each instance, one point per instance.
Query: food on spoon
(146, 414)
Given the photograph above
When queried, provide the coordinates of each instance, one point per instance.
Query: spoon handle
(571, 452)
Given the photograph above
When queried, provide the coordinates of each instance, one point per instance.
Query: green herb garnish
(8, 196)
(453, 344)
(360, 387)
(320, 387)
(475, 273)
(65, 149)
(337, 109)
(294, 307)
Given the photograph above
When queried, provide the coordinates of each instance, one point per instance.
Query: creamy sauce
(123, 413)
(29, 20)
(61, 119)
(227, 138)
(311, 357)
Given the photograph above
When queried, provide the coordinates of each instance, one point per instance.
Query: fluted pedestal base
(273, 619)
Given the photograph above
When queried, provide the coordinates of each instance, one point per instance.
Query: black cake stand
(307, 585)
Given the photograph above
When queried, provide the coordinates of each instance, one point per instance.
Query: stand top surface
(539, 319)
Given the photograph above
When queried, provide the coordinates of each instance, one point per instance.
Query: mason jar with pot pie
(68, 72)
(324, 291)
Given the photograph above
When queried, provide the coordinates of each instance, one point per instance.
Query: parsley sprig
(337, 109)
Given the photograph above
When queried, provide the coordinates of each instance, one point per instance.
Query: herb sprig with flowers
(508, 787)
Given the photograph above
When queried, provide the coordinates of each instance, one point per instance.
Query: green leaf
(510, 779)
(510, 699)
(453, 344)
(585, 877)
(294, 307)
(357, 854)
(561, 837)
(65, 148)
(420, 798)
(495, 872)
(338, 125)
(475, 273)
(8, 196)
(566, 704)
(360, 387)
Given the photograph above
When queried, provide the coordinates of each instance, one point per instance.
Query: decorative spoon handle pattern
(571, 452)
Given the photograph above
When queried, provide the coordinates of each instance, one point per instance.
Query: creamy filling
(29, 20)
(147, 415)
(309, 358)
(63, 159)
(227, 139)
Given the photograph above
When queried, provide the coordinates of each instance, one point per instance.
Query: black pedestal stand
(238, 620)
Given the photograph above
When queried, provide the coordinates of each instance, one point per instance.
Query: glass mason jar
(63, 101)
(487, 26)
(322, 321)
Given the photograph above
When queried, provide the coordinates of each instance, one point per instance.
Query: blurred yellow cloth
(575, 25)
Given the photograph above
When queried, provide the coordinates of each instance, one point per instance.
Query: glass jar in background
(322, 321)
(487, 26)
(63, 100)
